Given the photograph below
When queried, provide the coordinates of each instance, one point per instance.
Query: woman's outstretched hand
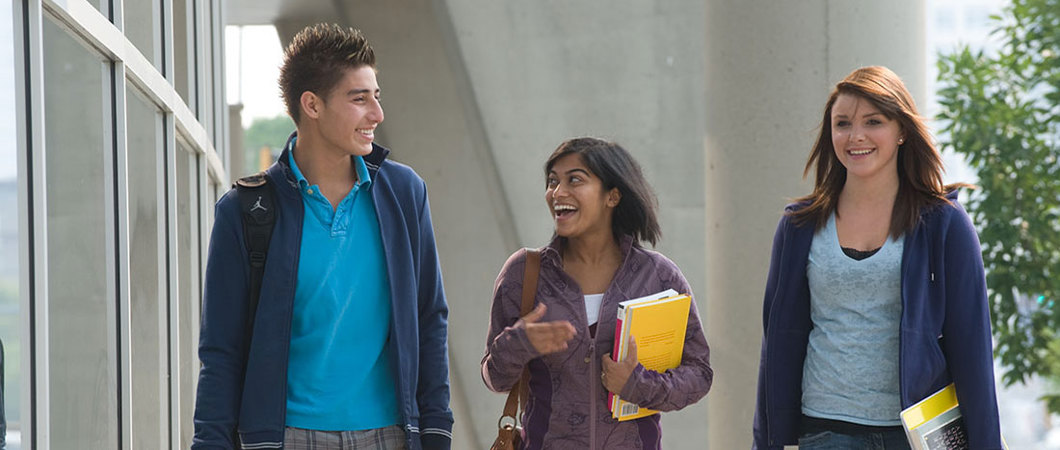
(616, 373)
(546, 337)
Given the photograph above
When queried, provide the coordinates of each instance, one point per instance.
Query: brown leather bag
(509, 434)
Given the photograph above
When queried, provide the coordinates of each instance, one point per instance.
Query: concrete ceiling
(266, 12)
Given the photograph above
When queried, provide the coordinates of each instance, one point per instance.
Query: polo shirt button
(587, 360)
(309, 191)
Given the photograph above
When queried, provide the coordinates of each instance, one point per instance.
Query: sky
(8, 144)
(252, 77)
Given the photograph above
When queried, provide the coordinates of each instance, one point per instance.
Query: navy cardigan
(945, 326)
(255, 407)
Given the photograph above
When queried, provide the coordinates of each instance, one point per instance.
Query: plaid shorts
(386, 438)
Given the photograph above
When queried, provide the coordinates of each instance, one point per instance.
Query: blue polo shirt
(338, 373)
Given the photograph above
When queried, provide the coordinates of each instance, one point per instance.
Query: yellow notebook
(935, 423)
(658, 323)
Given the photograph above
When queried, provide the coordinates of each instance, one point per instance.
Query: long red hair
(919, 164)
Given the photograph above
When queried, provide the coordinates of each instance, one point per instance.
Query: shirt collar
(364, 179)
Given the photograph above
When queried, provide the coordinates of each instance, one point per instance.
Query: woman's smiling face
(577, 200)
(865, 140)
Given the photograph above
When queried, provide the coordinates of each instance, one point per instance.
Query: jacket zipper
(593, 381)
(592, 395)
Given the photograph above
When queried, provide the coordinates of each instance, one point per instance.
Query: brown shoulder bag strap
(517, 396)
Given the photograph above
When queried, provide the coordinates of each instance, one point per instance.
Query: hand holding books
(660, 321)
(546, 337)
(615, 374)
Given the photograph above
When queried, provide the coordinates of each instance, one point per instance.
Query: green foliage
(271, 133)
(1052, 360)
(1002, 112)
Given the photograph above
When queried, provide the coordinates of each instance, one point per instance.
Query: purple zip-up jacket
(567, 405)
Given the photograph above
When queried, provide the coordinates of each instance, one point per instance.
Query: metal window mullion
(173, 279)
(122, 253)
(162, 274)
(119, 230)
(194, 57)
(221, 130)
(200, 233)
(110, 242)
(167, 39)
(168, 230)
(32, 212)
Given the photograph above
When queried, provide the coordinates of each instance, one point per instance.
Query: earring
(900, 141)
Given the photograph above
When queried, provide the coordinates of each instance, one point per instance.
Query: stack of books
(657, 323)
(935, 423)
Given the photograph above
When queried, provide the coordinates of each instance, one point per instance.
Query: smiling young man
(348, 341)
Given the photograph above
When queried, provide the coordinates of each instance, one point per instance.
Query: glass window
(210, 93)
(143, 28)
(10, 353)
(147, 298)
(188, 285)
(82, 382)
(183, 52)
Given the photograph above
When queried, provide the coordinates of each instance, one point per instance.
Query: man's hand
(615, 374)
(546, 337)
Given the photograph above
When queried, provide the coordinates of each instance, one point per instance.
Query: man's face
(348, 117)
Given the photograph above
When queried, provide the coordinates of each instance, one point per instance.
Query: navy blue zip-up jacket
(945, 326)
(255, 407)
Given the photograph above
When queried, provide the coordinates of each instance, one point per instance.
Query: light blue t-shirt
(339, 375)
(851, 369)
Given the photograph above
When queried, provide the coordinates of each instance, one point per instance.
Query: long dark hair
(919, 164)
(635, 214)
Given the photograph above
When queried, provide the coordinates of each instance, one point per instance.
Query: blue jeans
(829, 440)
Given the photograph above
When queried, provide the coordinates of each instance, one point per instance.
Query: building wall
(121, 130)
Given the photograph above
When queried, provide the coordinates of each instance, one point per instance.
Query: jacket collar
(281, 170)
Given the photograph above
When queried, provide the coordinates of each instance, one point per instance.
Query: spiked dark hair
(317, 58)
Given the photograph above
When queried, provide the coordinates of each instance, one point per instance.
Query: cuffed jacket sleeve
(508, 349)
(222, 332)
(432, 392)
(680, 386)
(966, 340)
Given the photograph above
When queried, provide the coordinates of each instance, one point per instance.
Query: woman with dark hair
(602, 209)
(876, 296)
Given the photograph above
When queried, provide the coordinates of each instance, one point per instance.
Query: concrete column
(769, 69)
(236, 153)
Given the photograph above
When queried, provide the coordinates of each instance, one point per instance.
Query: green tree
(1002, 112)
(270, 132)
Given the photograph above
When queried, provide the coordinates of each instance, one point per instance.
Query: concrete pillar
(769, 69)
(236, 153)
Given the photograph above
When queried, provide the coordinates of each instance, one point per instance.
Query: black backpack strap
(257, 200)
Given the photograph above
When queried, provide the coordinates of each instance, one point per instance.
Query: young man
(349, 337)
